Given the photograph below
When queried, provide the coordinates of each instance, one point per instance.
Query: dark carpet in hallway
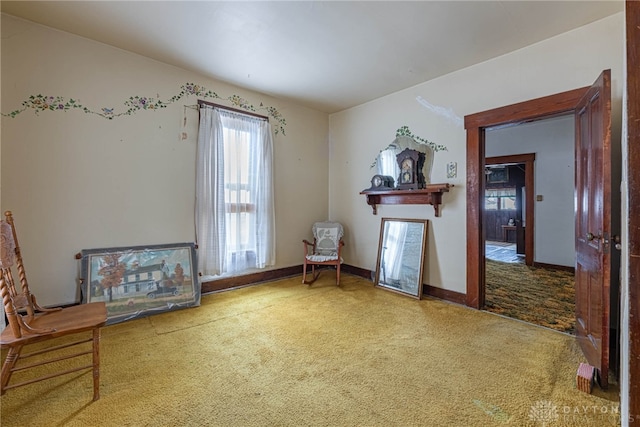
(536, 295)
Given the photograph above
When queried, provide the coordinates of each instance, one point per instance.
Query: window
(500, 199)
(239, 208)
(234, 200)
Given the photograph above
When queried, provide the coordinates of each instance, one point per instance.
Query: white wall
(78, 181)
(568, 61)
(552, 141)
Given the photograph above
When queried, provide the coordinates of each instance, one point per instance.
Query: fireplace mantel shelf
(430, 195)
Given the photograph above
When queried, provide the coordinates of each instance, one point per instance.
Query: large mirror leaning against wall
(401, 253)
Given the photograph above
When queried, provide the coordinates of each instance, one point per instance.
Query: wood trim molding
(250, 279)
(357, 271)
(516, 158)
(633, 168)
(476, 124)
(527, 111)
(281, 273)
(475, 225)
(432, 291)
(555, 267)
(227, 283)
(444, 294)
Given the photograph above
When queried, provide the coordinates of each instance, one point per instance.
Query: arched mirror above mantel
(387, 165)
(386, 162)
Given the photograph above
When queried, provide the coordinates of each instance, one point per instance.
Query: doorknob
(591, 236)
(618, 242)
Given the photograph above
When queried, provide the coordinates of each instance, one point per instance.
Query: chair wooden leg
(314, 276)
(7, 368)
(304, 272)
(96, 364)
(338, 275)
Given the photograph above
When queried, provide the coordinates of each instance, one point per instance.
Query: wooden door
(593, 224)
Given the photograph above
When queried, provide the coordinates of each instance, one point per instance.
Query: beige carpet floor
(285, 354)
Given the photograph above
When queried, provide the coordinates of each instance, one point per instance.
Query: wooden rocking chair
(326, 249)
(29, 323)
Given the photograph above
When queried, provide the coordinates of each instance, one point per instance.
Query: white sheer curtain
(235, 223)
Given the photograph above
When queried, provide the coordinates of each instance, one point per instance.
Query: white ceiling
(326, 55)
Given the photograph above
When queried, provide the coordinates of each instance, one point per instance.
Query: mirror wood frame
(423, 251)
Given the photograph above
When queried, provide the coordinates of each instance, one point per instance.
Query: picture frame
(452, 170)
(141, 280)
(498, 175)
(401, 254)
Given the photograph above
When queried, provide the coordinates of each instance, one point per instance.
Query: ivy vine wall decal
(404, 131)
(39, 103)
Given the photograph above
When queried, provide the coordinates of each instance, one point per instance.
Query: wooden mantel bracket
(430, 195)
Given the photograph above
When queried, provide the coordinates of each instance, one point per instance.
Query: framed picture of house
(140, 281)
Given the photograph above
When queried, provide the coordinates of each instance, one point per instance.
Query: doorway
(518, 178)
(591, 107)
(476, 126)
(541, 152)
(503, 216)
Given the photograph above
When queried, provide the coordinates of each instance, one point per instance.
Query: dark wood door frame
(528, 160)
(476, 125)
